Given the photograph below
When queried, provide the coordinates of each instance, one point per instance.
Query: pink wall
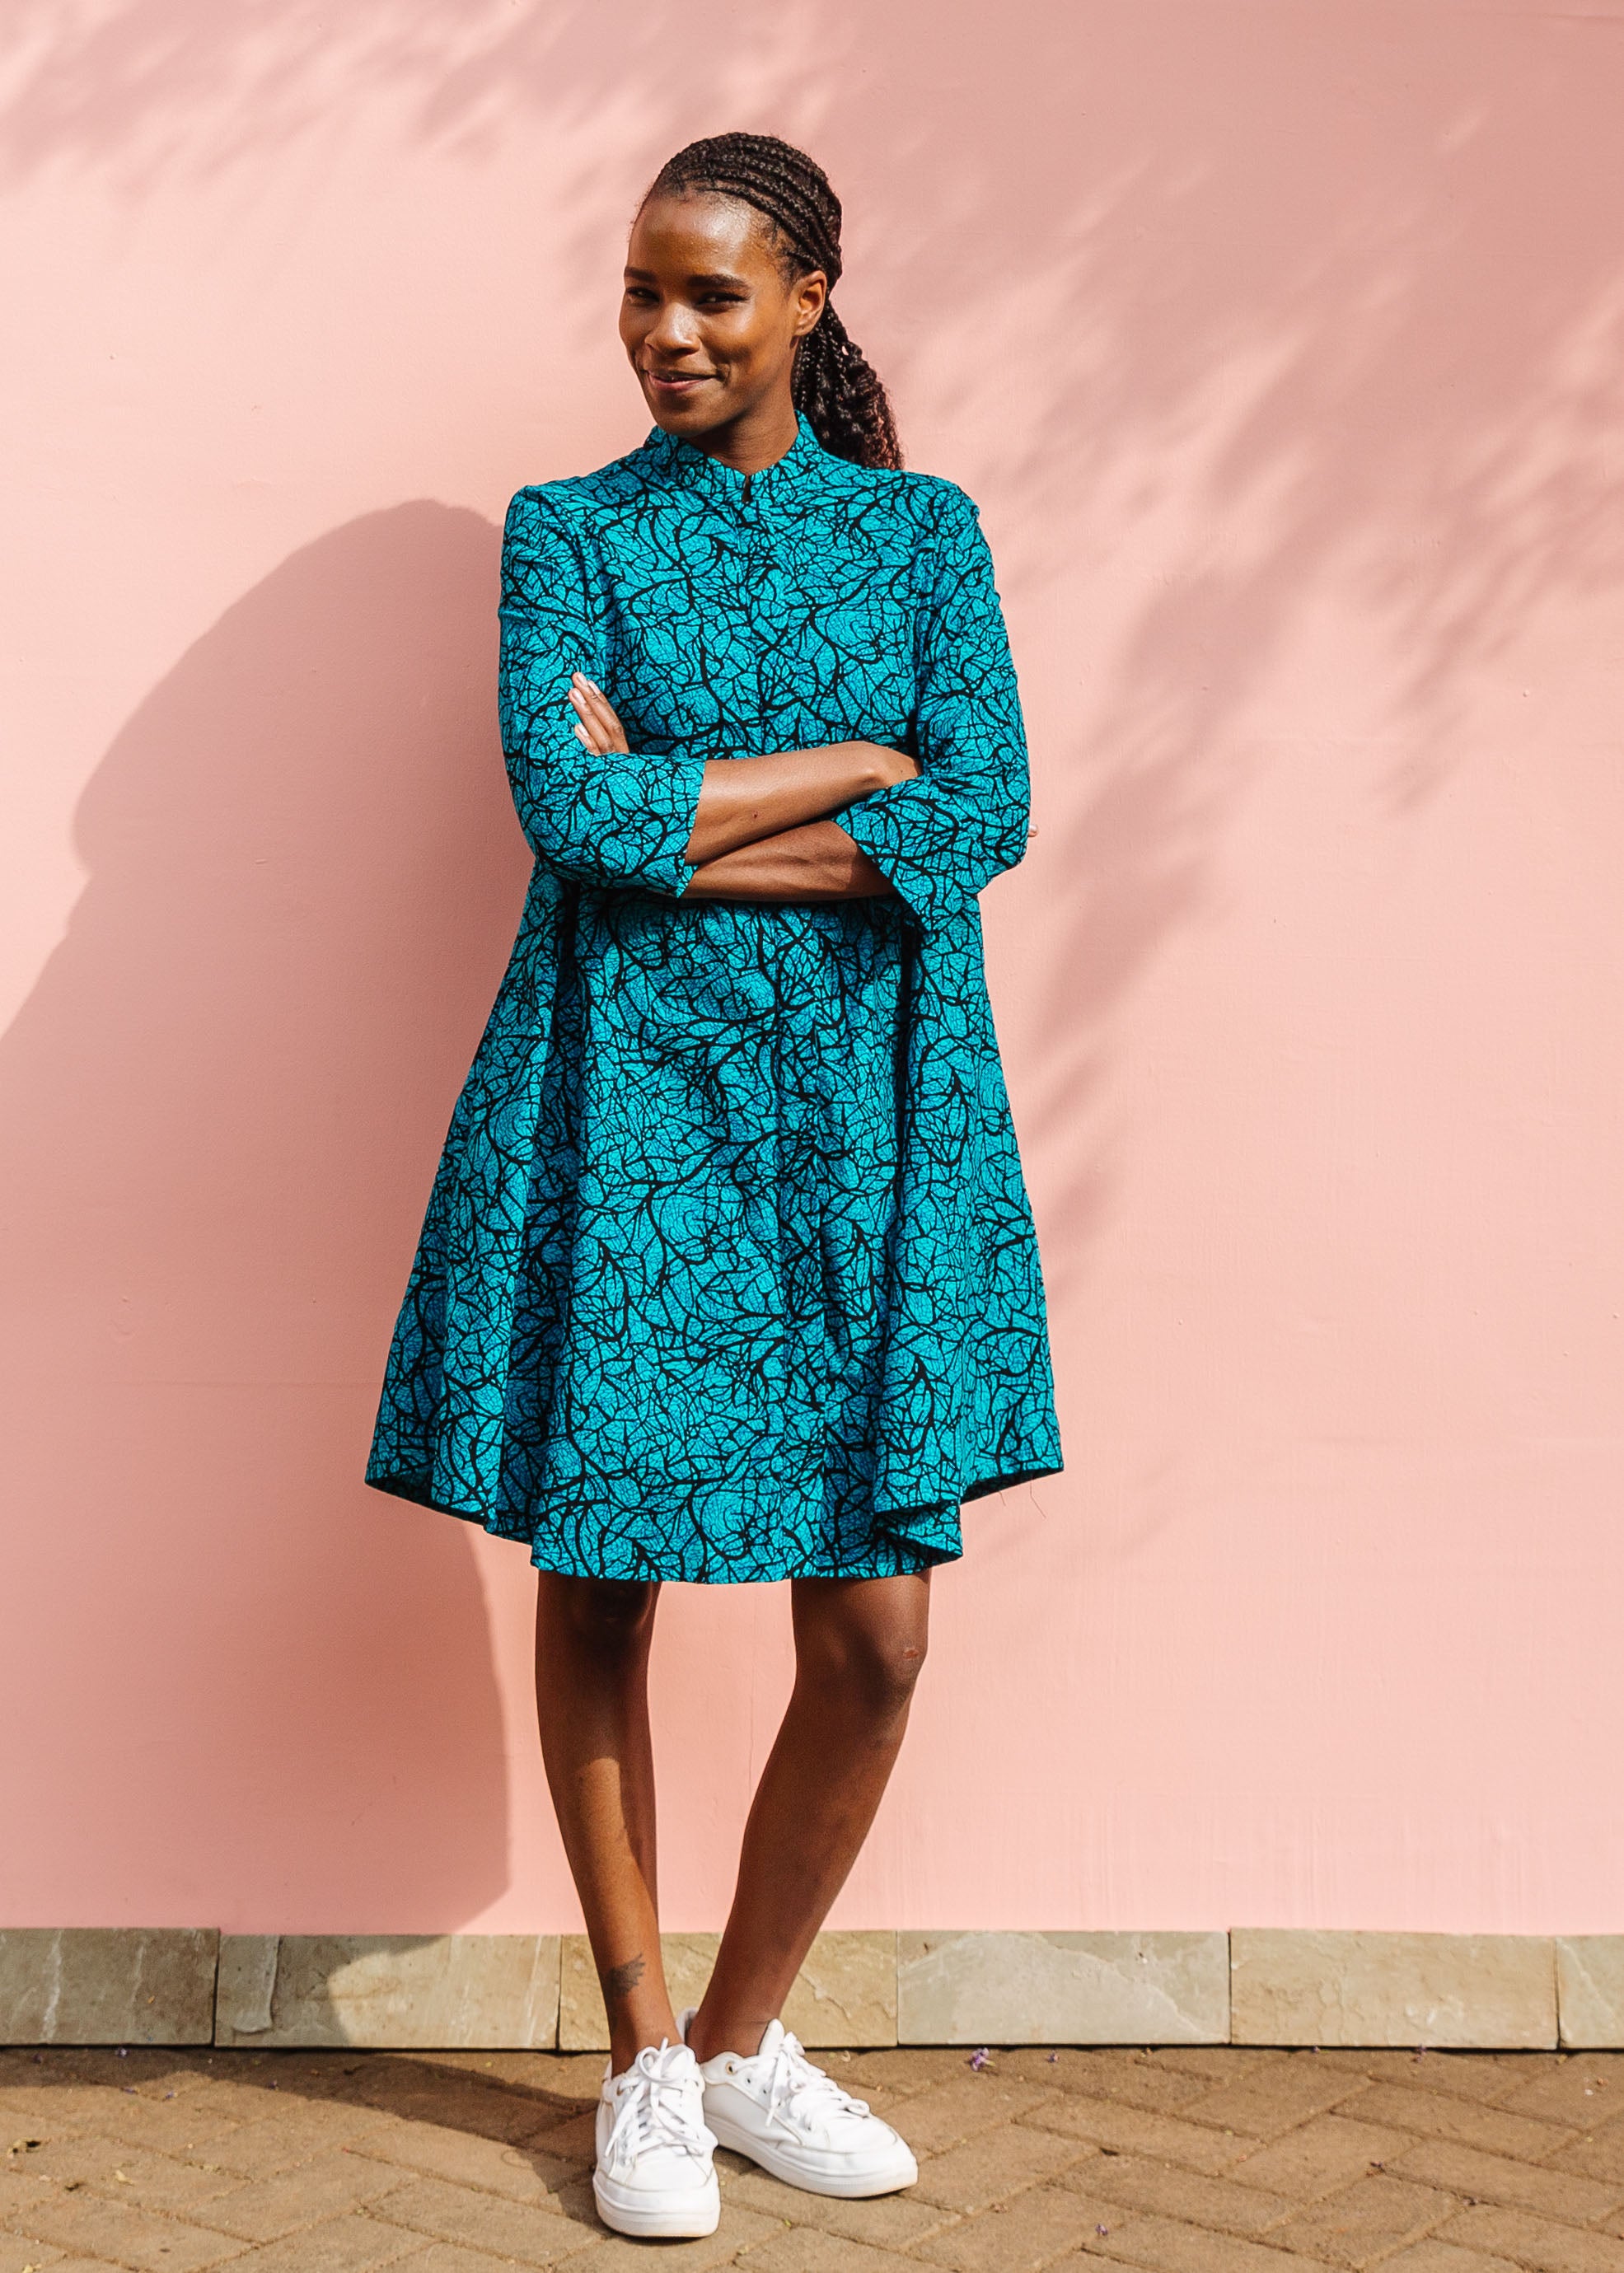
(1282, 347)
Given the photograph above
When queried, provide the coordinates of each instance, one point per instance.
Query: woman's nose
(672, 331)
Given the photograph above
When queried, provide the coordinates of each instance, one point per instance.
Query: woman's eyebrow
(705, 276)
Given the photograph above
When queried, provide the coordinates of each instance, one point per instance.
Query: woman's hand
(892, 766)
(596, 722)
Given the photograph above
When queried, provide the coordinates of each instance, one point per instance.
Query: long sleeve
(941, 838)
(615, 820)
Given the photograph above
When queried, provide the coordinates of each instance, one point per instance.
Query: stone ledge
(397, 1993)
(1590, 1990)
(533, 1992)
(1460, 1991)
(1062, 1987)
(107, 1985)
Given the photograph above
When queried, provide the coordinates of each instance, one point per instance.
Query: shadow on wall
(224, 1100)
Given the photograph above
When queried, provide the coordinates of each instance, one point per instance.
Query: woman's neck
(756, 440)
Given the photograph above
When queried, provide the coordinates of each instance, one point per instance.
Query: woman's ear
(811, 294)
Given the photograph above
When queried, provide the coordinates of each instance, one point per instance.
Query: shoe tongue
(665, 2060)
(772, 2036)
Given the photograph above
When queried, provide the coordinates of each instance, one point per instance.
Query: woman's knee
(611, 1616)
(867, 1660)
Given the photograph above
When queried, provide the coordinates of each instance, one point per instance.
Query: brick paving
(1181, 2160)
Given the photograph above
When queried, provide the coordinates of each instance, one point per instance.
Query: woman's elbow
(838, 865)
(557, 850)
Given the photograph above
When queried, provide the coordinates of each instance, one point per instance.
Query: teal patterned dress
(728, 1270)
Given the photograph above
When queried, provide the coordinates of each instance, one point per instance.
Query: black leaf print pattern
(728, 1271)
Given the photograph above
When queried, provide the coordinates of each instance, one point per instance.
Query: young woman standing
(728, 1273)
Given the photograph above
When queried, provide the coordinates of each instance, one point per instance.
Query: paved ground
(1192, 2161)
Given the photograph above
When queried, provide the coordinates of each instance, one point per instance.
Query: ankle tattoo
(620, 1980)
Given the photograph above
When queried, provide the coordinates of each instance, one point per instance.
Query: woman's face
(709, 321)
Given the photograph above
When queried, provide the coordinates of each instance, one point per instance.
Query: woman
(728, 1273)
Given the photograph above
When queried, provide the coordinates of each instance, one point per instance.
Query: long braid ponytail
(834, 383)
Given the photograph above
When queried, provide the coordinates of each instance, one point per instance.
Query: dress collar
(685, 465)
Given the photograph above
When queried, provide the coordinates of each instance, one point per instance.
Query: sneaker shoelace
(657, 2109)
(802, 2092)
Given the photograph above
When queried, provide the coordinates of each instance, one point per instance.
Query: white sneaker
(654, 2174)
(796, 2122)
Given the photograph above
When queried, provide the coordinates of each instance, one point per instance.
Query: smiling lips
(676, 382)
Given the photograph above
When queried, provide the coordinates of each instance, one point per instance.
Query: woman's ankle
(712, 2036)
(626, 2043)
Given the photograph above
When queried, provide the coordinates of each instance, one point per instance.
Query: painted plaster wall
(1282, 346)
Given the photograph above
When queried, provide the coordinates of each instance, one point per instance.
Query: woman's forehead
(700, 233)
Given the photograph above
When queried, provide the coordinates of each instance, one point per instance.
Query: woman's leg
(592, 1638)
(859, 1646)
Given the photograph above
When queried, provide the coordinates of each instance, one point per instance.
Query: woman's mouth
(677, 383)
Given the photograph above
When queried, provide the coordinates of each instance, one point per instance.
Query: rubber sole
(854, 2188)
(687, 2218)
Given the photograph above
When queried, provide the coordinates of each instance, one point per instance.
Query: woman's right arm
(619, 819)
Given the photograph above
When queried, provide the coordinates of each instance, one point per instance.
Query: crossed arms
(931, 828)
(760, 828)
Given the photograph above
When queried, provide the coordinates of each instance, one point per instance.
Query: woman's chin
(685, 410)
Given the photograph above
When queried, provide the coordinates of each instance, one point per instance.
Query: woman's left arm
(941, 838)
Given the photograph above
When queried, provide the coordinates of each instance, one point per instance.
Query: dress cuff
(668, 790)
(887, 829)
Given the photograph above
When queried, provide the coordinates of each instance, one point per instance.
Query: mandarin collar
(686, 466)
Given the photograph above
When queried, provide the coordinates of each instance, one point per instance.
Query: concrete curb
(1254, 1985)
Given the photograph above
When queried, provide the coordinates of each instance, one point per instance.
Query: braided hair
(832, 381)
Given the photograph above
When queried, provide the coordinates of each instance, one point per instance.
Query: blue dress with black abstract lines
(728, 1271)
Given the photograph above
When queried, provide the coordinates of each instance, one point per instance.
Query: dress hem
(907, 1556)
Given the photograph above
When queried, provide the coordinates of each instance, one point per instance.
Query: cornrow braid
(833, 382)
